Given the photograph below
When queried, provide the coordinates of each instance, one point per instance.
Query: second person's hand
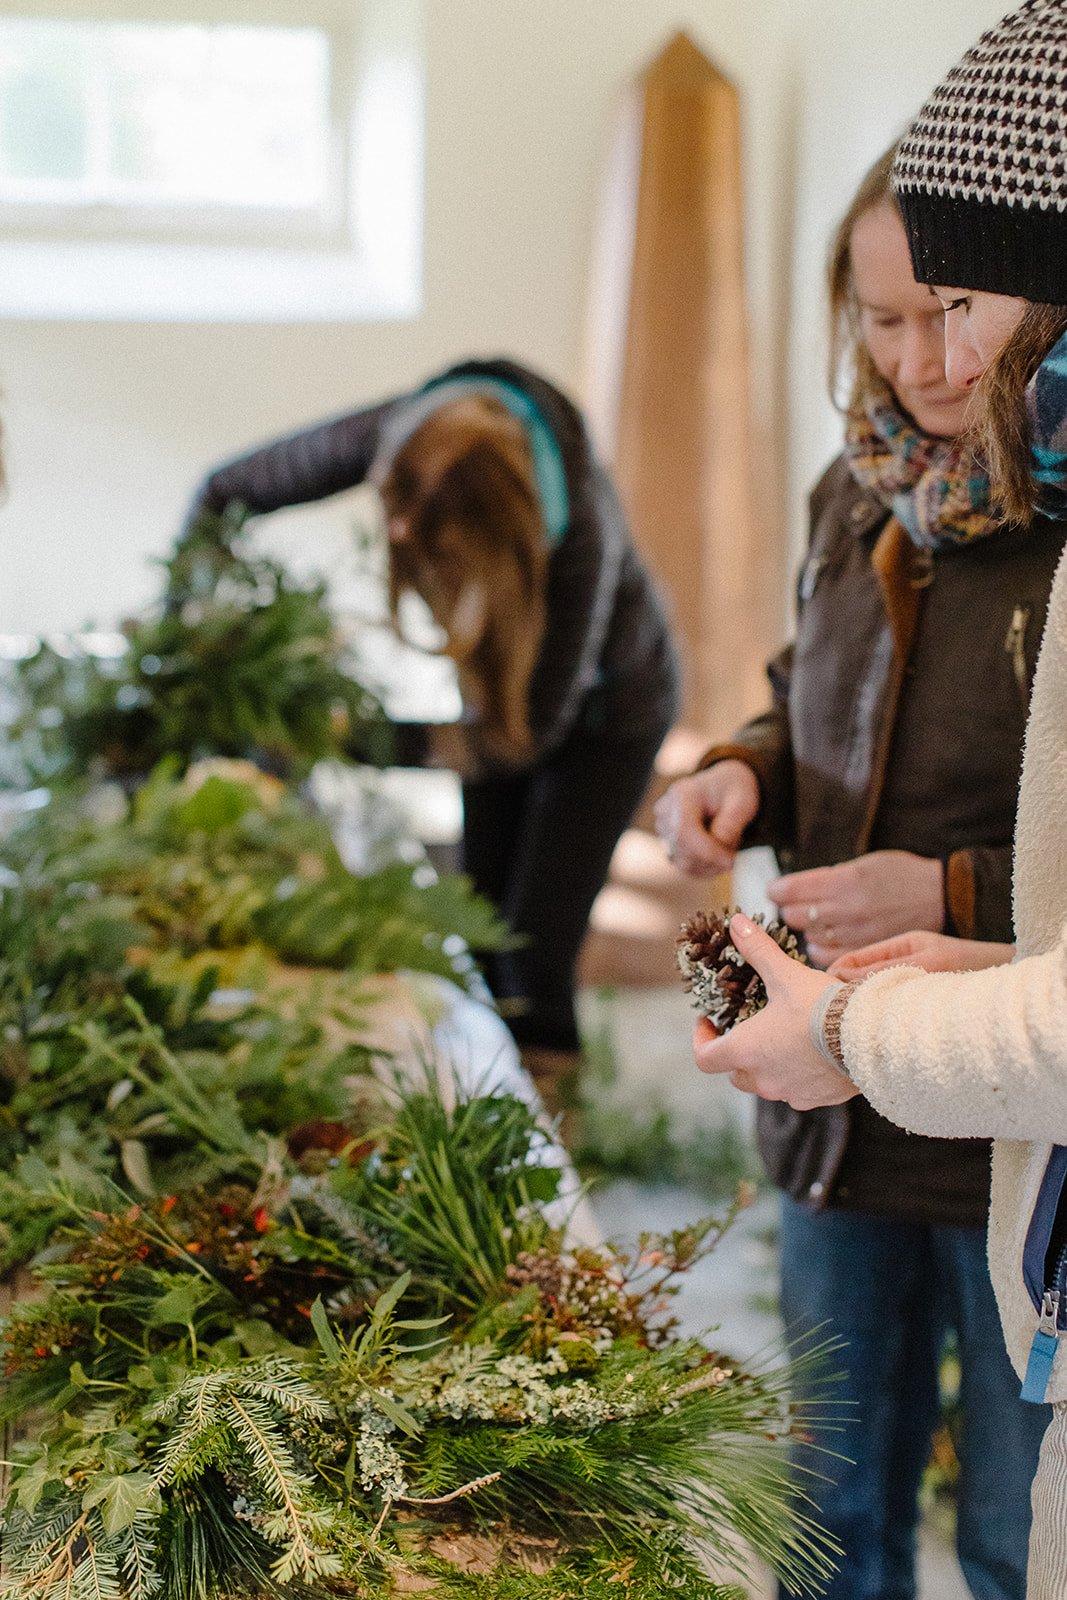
(862, 901)
(701, 818)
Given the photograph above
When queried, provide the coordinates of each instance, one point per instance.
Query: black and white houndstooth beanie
(982, 174)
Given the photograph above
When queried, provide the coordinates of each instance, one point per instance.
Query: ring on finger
(813, 916)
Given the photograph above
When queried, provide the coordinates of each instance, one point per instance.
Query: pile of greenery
(226, 867)
(286, 1325)
(301, 1330)
(237, 659)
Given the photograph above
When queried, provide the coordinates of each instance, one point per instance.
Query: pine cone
(724, 987)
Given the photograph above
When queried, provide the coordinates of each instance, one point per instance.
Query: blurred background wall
(110, 423)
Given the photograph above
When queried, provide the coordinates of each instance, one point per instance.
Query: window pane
(165, 114)
(42, 102)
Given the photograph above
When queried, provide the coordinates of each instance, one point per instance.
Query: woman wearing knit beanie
(891, 817)
(982, 183)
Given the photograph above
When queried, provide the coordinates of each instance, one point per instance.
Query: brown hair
(848, 353)
(476, 544)
(998, 428)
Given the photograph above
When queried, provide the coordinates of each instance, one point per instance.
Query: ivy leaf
(542, 1183)
(258, 1338)
(32, 1481)
(180, 1304)
(217, 804)
(122, 1497)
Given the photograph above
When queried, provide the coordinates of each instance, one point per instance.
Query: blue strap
(1039, 1367)
(549, 473)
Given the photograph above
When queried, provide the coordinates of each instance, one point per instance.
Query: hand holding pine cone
(724, 987)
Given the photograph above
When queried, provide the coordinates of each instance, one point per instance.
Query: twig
(443, 1499)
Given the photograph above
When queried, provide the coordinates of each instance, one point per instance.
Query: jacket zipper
(1015, 645)
(1047, 1233)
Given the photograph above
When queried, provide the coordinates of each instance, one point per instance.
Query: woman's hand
(934, 952)
(701, 818)
(858, 902)
(772, 1055)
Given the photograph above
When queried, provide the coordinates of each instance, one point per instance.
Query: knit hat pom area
(982, 174)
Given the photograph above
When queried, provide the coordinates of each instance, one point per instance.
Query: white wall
(110, 425)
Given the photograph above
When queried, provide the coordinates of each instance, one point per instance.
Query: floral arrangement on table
(288, 1326)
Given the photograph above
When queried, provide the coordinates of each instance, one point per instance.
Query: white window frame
(362, 261)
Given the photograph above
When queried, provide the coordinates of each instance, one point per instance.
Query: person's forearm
(964, 1054)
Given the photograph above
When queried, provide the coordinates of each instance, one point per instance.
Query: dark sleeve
(978, 894)
(309, 465)
(765, 745)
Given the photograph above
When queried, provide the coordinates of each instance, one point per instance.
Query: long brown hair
(998, 428)
(465, 482)
(848, 352)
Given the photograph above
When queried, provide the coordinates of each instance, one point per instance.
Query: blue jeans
(892, 1291)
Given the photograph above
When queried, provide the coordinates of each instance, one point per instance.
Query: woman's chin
(942, 419)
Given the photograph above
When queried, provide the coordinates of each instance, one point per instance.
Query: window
(238, 160)
(150, 123)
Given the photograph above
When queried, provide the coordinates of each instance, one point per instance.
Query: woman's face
(977, 327)
(902, 323)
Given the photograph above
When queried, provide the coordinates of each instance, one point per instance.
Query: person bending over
(502, 519)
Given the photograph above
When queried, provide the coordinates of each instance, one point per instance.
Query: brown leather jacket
(897, 723)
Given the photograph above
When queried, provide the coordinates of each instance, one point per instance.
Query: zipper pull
(1042, 1350)
(810, 576)
(1015, 644)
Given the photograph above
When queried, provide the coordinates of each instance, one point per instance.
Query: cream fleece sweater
(984, 1054)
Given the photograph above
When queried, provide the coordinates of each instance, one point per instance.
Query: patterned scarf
(940, 498)
(1046, 407)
